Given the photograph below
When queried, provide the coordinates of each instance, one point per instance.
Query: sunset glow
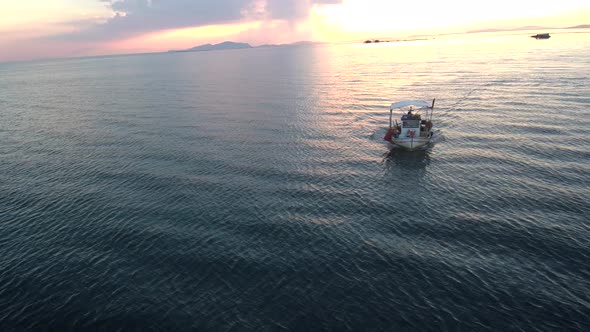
(60, 28)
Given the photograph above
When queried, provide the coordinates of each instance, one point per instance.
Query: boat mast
(432, 109)
(390, 115)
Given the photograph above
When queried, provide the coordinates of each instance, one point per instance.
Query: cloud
(136, 17)
(290, 10)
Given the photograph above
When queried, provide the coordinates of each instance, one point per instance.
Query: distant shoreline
(230, 45)
(246, 45)
(489, 30)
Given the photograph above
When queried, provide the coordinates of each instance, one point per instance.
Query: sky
(33, 29)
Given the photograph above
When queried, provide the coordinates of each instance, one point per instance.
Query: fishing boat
(414, 130)
(541, 36)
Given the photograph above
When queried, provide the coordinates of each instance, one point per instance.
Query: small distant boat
(541, 36)
(413, 131)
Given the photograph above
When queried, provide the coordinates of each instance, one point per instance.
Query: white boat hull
(411, 143)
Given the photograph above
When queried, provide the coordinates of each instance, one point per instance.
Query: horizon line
(384, 40)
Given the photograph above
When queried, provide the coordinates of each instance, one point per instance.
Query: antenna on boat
(390, 115)
(432, 109)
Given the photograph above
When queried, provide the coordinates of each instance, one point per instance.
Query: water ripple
(175, 192)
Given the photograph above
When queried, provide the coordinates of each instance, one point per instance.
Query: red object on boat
(389, 134)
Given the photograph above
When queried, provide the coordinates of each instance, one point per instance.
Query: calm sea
(252, 189)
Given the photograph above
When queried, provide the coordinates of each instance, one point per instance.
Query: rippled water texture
(252, 190)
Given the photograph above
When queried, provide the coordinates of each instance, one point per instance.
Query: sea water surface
(252, 190)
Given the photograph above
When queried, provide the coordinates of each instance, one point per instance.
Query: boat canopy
(404, 103)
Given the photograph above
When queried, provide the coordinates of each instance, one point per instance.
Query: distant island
(530, 27)
(377, 41)
(524, 28)
(229, 45)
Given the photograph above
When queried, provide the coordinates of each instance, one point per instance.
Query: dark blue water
(251, 190)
